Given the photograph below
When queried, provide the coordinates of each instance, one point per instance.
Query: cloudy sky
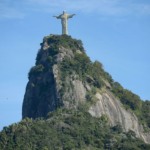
(115, 32)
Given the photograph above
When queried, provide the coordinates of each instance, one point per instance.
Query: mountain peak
(65, 77)
(45, 78)
(74, 104)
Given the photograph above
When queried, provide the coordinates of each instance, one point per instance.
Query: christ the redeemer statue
(64, 21)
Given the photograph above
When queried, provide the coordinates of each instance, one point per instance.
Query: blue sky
(115, 32)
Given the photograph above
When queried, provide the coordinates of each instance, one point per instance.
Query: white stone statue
(64, 21)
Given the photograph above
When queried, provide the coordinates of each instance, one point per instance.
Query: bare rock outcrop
(110, 106)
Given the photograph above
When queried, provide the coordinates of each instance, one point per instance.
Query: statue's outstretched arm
(70, 16)
(58, 17)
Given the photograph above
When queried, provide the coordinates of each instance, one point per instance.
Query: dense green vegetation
(65, 41)
(68, 130)
(129, 99)
(146, 112)
(88, 71)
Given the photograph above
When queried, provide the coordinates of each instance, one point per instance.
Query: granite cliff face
(47, 88)
(110, 106)
(64, 76)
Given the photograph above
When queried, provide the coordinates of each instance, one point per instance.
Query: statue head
(64, 12)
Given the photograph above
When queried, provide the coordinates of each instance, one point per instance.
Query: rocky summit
(53, 81)
(71, 102)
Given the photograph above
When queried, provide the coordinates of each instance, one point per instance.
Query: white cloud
(102, 7)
